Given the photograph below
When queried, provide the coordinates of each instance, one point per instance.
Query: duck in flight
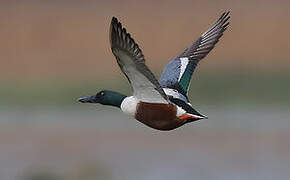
(163, 104)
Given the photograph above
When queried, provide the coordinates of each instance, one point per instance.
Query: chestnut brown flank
(158, 116)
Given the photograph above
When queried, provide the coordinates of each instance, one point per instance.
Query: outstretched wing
(132, 62)
(177, 74)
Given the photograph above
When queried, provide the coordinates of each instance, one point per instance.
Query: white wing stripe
(184, 62)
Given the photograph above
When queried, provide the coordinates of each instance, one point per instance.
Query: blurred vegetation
(211, 88)
(41, 175)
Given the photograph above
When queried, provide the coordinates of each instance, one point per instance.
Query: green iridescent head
(104, 97)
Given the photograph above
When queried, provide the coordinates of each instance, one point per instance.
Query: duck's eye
(102, 93)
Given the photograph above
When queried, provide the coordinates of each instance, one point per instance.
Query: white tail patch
(180, 111)
(184, 63)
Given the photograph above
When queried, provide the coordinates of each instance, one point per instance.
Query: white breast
(129, 104)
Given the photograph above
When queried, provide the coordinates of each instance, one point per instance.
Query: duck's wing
(132, 62)
(177, 74)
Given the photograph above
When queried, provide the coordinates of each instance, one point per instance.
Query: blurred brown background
(53, 52)
(61, 39)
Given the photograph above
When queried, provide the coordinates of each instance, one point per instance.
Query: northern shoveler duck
(162, 104)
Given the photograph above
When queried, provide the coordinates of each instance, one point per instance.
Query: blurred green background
(53, 52)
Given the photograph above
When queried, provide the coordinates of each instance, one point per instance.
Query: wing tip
(114, 22)
(119, 37)
(225, 17)
(116, 31)
(225, 14)
(114, 19)
(206, 42)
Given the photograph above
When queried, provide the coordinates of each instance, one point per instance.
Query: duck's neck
(114, 99)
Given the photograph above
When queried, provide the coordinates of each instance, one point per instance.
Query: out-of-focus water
(236, 142)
